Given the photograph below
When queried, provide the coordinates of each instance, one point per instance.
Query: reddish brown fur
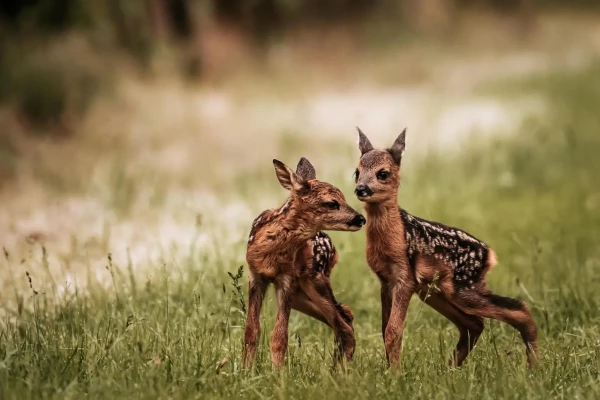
(444, 265)
(286, 248)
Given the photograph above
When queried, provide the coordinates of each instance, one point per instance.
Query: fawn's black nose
(362, 190)
(359, 221)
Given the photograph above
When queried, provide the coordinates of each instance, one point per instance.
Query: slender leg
(338, 316)
(279, 337)
(386, 308)
(401, 295)
(257, 289)
(512, 311)
(301, 302)
(469, 326)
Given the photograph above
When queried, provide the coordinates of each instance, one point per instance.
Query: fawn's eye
(383, 175)
(356, 173)
(332, 205)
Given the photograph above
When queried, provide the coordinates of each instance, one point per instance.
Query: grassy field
(176, 332)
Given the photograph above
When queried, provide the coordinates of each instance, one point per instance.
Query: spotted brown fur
(323, 252)
(466, 255)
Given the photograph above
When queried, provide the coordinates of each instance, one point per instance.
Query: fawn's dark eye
(356, 173)
(383, 175)
(332, 205)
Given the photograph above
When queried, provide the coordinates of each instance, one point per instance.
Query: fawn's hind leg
(469, 326)
(301, 302)
(258, 287)
(484, 303)
(338, 316)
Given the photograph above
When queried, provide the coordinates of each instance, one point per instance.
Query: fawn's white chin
(353, 228)
(363, 197)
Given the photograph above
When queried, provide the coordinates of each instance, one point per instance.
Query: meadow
(175, 330)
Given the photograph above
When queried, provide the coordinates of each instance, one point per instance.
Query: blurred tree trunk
(185, 29)
(172, 21)
(131, 29)
(260, 19)
(430, 17)
(159, 20)
(118, 18)
(521, 14)
(523, 11)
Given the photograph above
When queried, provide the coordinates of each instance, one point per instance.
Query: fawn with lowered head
(408, 254)
(286, 247)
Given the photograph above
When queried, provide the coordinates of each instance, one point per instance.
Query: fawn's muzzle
(362, 190)
(358, 221)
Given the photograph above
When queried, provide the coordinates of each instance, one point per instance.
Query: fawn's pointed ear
(363, 142)
(397, 149)
(305, 170)
(288, 178)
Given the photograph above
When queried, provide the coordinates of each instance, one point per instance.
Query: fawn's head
(321, 204)
(378, 173)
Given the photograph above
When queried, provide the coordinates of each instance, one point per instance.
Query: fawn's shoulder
(265, 218)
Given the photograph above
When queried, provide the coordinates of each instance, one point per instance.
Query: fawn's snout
(345, 218)
(362, 190)
(357, 222)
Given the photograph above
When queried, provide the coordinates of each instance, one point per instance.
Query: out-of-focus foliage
(46, 91)
(49, 90)
(136, 24)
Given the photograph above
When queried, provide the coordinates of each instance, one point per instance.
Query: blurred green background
(136, 140)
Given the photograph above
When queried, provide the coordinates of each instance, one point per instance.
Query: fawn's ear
(288, 178)
(305, 170)
(363, 142)
(397, 149)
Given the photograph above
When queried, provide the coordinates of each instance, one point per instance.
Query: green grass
(533, 196)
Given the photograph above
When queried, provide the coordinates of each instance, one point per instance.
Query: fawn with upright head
(408, 254)
(286, 247)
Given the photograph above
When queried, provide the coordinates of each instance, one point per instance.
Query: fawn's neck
(386, 246)
(383, 220)
(383, 211)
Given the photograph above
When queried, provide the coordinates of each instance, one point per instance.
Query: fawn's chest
(275, 251)
(270, 264)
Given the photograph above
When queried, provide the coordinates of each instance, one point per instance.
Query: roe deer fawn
(286, 248)
(408, 254)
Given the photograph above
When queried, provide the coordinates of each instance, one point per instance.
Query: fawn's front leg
(386, 308)
(256, 293)
(400, 294)
(279, 337)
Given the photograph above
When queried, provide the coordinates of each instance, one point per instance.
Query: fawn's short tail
(492, 260)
